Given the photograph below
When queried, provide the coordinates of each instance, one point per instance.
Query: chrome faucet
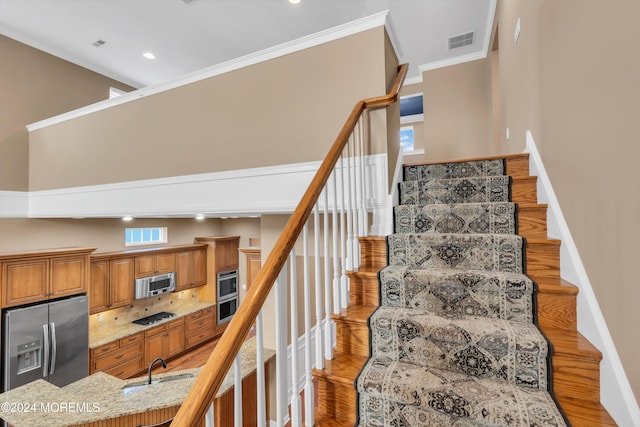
(164, 365)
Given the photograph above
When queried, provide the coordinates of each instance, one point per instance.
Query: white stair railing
(340, 193)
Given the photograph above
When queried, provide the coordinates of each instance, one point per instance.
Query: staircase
(574, 362)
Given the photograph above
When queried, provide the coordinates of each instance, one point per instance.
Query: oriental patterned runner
(454, 342)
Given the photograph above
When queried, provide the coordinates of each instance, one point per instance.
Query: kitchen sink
(137, 386)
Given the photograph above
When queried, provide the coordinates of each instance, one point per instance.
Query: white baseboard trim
(616, 394)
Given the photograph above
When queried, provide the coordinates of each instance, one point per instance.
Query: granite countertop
(115, 332)
(101, 396)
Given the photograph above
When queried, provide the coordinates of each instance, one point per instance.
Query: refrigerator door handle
(45, 359)
(54, 347)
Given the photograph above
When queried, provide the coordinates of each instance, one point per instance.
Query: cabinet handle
(119, 357)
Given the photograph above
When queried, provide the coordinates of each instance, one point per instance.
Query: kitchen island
(103, 400)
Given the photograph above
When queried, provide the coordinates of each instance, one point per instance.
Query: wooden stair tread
(572, 343)
(355, 313)
(582, 413)
(343, 368)
(554, 285)
(365, 271)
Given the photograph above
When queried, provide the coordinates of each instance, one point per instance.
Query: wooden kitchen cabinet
(147, 265)
(166, 340)
(200, 326)
(111, 284)
(226, 254)
(42, 275)
(191, 269)
(123, 358)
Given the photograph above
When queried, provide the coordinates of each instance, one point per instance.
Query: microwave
(146, 287)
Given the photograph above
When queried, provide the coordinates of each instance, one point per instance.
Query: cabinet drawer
(199, 336)
(127, 369)
(154, 331)
(131, 339)
(193, 316)
(104, 349)
(208, 320)
(174, 323)
(114, 358)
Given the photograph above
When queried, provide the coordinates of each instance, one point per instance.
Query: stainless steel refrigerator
(48, 341)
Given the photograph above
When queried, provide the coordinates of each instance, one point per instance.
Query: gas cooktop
(154, 318)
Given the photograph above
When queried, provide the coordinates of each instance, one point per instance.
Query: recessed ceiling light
(149, 55)
(294, 1)
(127, 218)
(200, 217)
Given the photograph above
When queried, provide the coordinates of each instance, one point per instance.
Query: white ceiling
(187, 36)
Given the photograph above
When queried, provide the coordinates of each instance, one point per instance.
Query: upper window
(145, 236)
(411, 108)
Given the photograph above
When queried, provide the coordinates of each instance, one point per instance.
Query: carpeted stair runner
(453, 342)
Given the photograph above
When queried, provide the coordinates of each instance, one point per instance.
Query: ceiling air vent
(99, 43)
(461, 40)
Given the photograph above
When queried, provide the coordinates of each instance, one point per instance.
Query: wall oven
(227, 293)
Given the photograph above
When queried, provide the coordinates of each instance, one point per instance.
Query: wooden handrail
(199, 399)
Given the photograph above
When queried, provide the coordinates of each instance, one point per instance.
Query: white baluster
(318, 287)
(296, 412)
(282, 401)
(363, 180)
(237, 391)
(349, 205)
(208, 417)
(343, 241)
(308, 364)
(336, 244)
(355, 251)
(328, 340)
(261, 395)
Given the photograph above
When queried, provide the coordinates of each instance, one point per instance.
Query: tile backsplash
(142, 308)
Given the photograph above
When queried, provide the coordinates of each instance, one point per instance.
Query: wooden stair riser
(352, 337)
(523, 190)
(576, 377)
(532, 221)
(373, 253)
(363, 288)
(543, 258)
(337, 400)
(556, 310)
(517, 166)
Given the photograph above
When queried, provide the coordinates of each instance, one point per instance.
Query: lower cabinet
(131, 355)
(200, 326)
(123, 358)
(166, 340)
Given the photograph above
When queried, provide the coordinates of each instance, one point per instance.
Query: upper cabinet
(191, 268)
(111, 284)
(226, 251)
(147, 265)
(113, 274)
(42, 275)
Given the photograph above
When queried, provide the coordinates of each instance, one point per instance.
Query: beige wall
(104, 234)
(457, 112)
(285, 110)
(33, 86)
(572, 79)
